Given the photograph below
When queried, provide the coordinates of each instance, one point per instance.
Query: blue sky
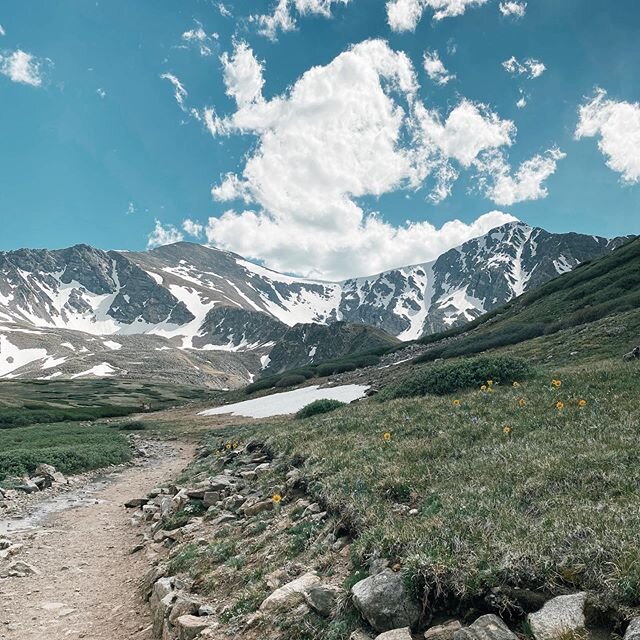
(328, 177)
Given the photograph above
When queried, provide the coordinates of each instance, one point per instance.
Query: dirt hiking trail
(86, 584)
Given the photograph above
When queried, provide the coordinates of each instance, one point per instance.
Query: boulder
(633, 630)
(396, 634)
(20, 569)
(258, 507)
(559, 615)
(488, 627)
(211, 498)
(135, 503)
(444, 631)
(291, 595)
(322, 598)
(358, 634)
(189, 627)
(221, 483)
(384, 602)
(161, 612)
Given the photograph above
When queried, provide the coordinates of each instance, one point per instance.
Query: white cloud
(513, 9)
(283, 19)
(435, 68)
(531, 67)
(2, 31)
(242, 75)
(131, 208)
(522, 101)
(404, 15)
(617, 123)
(192, 228)
(198, 36)
(350, 129)
(163, 234)
(527, 183)
(180, 93)
(101, 92)
(224, 12)
(22, 67)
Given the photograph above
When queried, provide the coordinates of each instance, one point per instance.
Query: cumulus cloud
(192, 228)
(513, 9)
(530, 67)
(506, 189)
(522, 101)
(404, 15)
(617, 124)
(22, 67)
(180, 93)
(435, 68)
(163, 234)
(350, 129)
(243, 75)
(224, 12)
(2, 31)
(283, 17)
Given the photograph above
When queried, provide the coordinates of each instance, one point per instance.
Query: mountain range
(204, 316)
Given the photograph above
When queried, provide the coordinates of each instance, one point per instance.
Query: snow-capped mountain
(213, 315)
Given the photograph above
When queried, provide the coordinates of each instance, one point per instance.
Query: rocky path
(86, 582)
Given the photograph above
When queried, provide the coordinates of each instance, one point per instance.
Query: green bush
(134, 425)
(290, 381)
(330, 369)
(441, 379)
(319, 406)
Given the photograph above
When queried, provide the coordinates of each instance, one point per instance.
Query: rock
(444, 631)
(559, 615)
(184, 605)
(11, 551)
(211, 498)
(258, 507)
(5, 543)
(322, 599)
(20, 569)
(189, 627)
(487, 627)
(384, 603)
(135, 503)
(42, 482)
(221, 483)
(45, 470)
(358, 634)
(160, 589)
(633, 630)
(396, 634)
(291, 595)
(224, 518)
(27, 486)
(161, 612)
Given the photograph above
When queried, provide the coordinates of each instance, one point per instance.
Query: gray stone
(487, 627)
(291, 595)
(384, 602)
(633, 630)
(134, 503)
(444, 631)
(396, 634)
(161, 612)
(20, 569)
(358, 634)
(211, 498)
(559, 615)
(189, 627)
(258, 507)
(322, 599)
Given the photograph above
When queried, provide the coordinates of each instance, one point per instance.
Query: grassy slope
(595, 290)
(550, 506)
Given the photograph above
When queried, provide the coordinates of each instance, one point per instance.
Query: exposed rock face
(444, 631)
(222, 319)
(384, 602)
(633, 630)
(396, 634)
(487, 627)
(558, 616)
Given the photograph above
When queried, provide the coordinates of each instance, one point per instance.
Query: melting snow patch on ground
(100, 371)
(114, 346)
(289, 401)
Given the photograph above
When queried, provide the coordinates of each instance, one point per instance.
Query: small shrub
(441, 379)
(290, 381)
(135, 425)
(319, 406)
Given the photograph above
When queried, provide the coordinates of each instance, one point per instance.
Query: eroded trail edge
(86, 580)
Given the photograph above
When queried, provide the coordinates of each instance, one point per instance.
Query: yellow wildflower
(277, 498)
(559, 405)
(522, 402)
(556, 383)
(507, 430)
(490, 383)
(483, 387)
(516, 385)
(456, 403)
(386, 436)
(582, 403)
